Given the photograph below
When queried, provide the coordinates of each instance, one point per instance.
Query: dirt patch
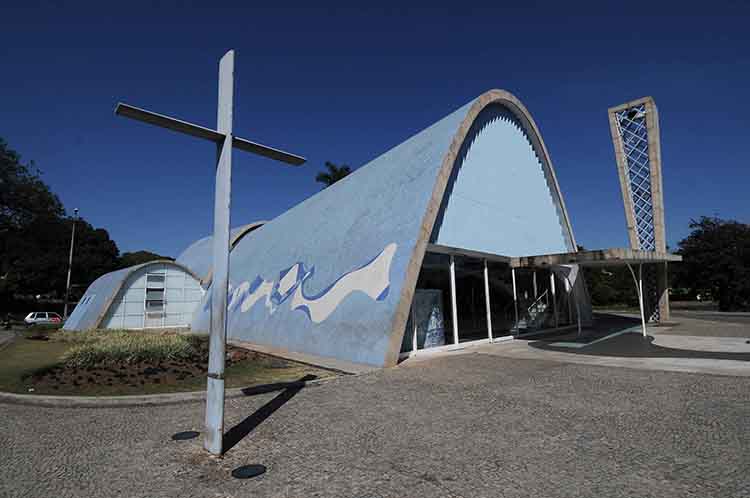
(135, 376)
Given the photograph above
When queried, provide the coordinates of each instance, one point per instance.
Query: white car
(42, 317)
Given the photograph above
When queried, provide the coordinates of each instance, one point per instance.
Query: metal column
(454, 306)
(487, 300)
(554, 297)
(515, 295)
(70, 264)
(639, 289)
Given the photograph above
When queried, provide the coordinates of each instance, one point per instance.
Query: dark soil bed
(31, 365)
(133, 375)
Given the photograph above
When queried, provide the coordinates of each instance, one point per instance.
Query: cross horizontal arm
(168, 122)
(269, 152)
(194, 130)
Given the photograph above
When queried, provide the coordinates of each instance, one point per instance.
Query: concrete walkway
(472, 425)
(520, 349)
(686, 345)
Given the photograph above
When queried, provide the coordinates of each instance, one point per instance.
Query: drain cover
(248, 471)
(183, 436)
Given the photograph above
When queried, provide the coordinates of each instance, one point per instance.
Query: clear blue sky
(345, 84)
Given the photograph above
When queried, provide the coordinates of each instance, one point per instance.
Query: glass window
(524, 288)
(154, 305)
(432, 302)
(563, 303)
(502, 308)
(430, 315)
(470, 299)
(535, 300)
(155, 294)
(407, 344)
(155, 280)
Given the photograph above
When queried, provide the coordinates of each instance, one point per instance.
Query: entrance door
(502, 305)
(471, 304)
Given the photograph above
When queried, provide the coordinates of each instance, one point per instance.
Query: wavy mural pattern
(372, 278)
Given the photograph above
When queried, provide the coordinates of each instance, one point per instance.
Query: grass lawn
(23, 357)
(99, 365)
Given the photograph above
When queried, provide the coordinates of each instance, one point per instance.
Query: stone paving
(469, 425)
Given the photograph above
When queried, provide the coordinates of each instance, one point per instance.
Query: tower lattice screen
(631, 125)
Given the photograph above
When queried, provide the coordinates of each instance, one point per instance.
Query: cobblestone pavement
(716, 316)
(708, 324)
(472, 425)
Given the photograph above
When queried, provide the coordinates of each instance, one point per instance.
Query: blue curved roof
(334, 275)
(198, 256)
(92, 306)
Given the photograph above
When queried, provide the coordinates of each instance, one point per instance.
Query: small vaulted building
(411, 252)
(157, 294)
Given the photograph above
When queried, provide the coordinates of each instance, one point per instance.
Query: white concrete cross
(225, 141)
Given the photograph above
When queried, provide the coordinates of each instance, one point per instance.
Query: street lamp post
(70, 263)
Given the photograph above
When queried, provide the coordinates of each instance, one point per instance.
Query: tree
(716, 258)
(139, 257)
(35, 236)
(24, 197)
(39, 257)
(333, 174)
(27, 209)
(610, 285)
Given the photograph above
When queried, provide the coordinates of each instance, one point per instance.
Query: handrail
(544, 294)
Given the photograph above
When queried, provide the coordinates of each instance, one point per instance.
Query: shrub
(43, 328)
(110, 347)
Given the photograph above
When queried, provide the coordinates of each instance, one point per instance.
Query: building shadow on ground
(604, 324)
(634, 345)
(246, 426)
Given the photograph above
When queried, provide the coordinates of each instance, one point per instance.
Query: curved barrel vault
(334, 276)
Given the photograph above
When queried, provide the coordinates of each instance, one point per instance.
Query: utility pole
(70, 263)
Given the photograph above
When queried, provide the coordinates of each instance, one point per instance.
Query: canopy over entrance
(603, 258)
(598, 257)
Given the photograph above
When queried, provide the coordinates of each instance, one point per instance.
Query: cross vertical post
(224, 140)
(219, 287)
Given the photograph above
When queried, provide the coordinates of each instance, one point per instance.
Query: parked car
(41, 318)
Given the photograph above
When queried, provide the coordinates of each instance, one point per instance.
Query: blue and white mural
(372, 278)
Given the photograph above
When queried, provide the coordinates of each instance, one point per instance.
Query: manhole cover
(183, 436)
(248, 471)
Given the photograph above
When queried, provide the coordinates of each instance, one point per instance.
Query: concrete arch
(198, 255)
(233, 241)
(449, 162)
(244, 230)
